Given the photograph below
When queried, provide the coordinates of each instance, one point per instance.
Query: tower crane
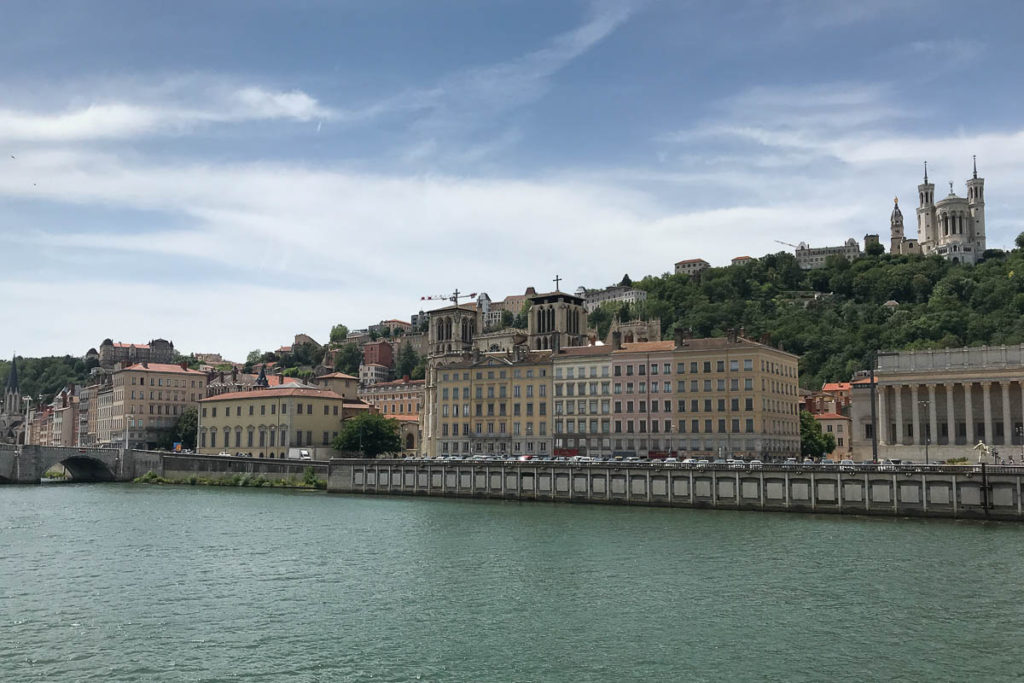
(453, 297)
(787, 244)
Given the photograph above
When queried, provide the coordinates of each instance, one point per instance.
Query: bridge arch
(82, 468)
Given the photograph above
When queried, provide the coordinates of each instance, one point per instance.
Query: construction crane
(787, 244)
(453, 297)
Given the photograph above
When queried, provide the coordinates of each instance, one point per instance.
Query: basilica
(953, 227)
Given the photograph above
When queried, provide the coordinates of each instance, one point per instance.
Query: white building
(953, 227)
(593, 298)
(814, 257)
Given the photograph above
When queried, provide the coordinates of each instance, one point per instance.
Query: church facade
(953, 227)
(11, 417)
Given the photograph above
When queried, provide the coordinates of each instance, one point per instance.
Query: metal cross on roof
(557, 280)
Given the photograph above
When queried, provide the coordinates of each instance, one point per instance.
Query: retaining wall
(948, 492)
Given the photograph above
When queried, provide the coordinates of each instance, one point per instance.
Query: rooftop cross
(557, 280)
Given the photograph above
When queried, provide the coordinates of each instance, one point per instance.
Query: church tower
(976, 202)
(926, 213)
(896, 228)
(12, 392)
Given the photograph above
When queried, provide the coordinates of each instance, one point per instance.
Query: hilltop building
(953, 227)
(692, 267)
(156, 351)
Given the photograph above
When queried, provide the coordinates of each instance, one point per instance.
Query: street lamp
(927, 431)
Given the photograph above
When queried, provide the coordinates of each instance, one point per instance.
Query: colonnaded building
(558, 391)
(945, 399)
(953, 227)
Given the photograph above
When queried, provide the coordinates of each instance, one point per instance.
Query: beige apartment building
(490, 404)
(582, 400)
(272, 422)
(147, 398)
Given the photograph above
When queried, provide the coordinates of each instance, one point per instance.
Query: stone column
(915, 418)
(1007, 420)
(897, 392)
(950, 415)
(933, 419)
(883, 417)
(969, 412)
(986, 399)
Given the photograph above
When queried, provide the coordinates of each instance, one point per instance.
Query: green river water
(119, 582)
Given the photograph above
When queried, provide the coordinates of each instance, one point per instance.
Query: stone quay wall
(958, 492)
(178, 466)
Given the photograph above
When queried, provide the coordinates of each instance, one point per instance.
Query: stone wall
(950, 492)
(177, 466)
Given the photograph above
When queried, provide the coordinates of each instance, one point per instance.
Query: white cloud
(124, 119)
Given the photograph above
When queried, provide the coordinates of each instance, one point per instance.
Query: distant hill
(835, 317)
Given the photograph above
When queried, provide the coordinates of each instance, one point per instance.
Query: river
(121, 582)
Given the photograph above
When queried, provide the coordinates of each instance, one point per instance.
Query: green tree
(522, 319)
(507, 319)
(406, 361)
(254, 357)
(338, 333)
(348, 359)
(370, 435)
(183, 431)
(874, 249)
(625, 282)
(813, 442)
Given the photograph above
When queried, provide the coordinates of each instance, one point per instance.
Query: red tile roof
(338, 375)
(691, 260)
(163, 367)
(647, 347)
(277, 393)
(830, 416)
(122, 345)
(835, 386)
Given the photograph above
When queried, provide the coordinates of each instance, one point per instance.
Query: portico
(945, 399)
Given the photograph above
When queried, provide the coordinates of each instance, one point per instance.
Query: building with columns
(944, 399)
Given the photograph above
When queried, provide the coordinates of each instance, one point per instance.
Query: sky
(226, 174)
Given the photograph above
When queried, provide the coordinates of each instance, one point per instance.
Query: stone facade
(814, 257)
(953, 227)
(270, 422)
(692, 267)
(148, 398)
(156, 351)
(945, 399)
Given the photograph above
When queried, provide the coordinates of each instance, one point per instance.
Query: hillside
(835, 317)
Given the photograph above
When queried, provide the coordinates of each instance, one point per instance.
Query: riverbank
(247, 479)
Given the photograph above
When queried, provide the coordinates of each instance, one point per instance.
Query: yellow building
(269, 423)
(490, 404)
(148, 398)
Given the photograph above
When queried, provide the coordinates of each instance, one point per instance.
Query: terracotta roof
(574, 351)
(400, 322)
(647, 347)
(399, 382)
(742, 258)
(162, 367)
(864, 380)
(338, 375)
(691, 260)
(404, 418)
(284, 349)
(835, 386)
(830, 416)
(122, 345)
(277, 393)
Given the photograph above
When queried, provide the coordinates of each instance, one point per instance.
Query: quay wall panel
(946, 492)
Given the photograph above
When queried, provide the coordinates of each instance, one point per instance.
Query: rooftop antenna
(975, 158)
(926, 173)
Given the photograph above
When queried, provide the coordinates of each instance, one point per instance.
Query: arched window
(410, 442)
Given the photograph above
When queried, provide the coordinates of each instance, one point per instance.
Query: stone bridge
(27, 464)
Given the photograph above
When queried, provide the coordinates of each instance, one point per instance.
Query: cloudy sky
(225, 174)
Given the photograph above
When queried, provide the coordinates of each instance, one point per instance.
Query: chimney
(743, 332)
(220, 376)
(680, 337)
(234, 374)
(280, 377)
(184, 365)
(145, 364)
(556, 344)
(616, 340)
(731, 334)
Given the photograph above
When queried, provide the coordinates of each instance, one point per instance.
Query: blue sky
(226, 174)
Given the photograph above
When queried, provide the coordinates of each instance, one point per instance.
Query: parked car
(738, 465)
(847, 466)
(755, 464)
